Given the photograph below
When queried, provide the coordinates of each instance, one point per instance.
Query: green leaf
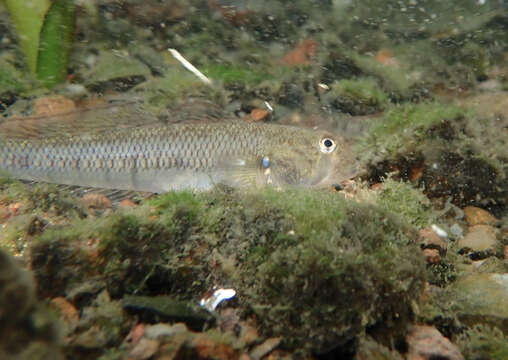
(28, 17)
(55, 42)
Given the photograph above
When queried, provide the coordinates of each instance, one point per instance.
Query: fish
(97, 149)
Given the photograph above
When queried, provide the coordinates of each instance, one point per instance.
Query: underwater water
(212, 179)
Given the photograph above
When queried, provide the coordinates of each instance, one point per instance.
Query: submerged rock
(427, 343)
(480, 242)
(483, 298)
(28, 329)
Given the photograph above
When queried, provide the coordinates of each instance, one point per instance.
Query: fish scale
(196, 147)
(165, 157)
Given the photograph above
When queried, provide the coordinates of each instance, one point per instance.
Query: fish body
(196, 155)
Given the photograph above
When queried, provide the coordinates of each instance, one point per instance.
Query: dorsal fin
(89, 120)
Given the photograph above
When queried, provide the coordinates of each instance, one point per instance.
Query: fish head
(310, 158)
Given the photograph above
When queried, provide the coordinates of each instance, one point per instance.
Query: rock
(93, 338)
(144, 349)
(432, 256)
(136, 334)
(476, 216)
(456, 230)
(101, 323)
(228, 319)
(96, 201)
(302, 53)
(68, 313)
(248, 334)
(493, 232)
(257, 115)
(82, 292)
(17, 290)
(165, 308)
(491, 265)
(164, 330)
(482, 298)
(479, 242)
(28, 329)
(427, 343)
(115, 70)
(506, 252)
(368, 349)
(15, 208)
(265, 348)
(429, 239)
(127, 203)
(204, 347)
(53, 104)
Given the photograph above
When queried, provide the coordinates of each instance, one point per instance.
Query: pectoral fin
(243, 172)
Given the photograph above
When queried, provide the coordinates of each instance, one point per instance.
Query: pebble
(68, 313)
(136, 334)
(144, 349)
(14, 208)
(257, 115)
(97, 201)
(203, 347)
(432, 256)
(477, 216)
(248, 334)
(164, 330)
(456, 230)
(429, 239)
(265, 348)
(228, 319)
(506, 252)
(426, 343)
(127, 203)
(489, 229)
(480, 241)
(53, 104)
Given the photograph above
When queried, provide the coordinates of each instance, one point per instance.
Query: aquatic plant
(45, 32)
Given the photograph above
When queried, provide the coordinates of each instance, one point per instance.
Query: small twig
(190, 67)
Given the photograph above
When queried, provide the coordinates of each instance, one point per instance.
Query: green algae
(393, 78)
(425, 142)
(402, 198)
(483, 342)
(403, 128)
(175, 86)
(361, 96)
(353, 266)
(231, 74)
(11, 79)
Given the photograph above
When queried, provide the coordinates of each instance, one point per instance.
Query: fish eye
(327, 145)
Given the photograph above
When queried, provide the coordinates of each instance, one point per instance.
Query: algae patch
(353, 267)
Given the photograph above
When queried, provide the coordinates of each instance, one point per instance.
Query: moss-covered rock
(447, 149)
(315, 268)
(356, 97)
(483, 342)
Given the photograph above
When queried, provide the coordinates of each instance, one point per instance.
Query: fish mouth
(326, 178)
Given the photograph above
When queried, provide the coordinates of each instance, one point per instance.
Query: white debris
(268, 106)
(190, 67)
(218, 296)
(439, 231)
